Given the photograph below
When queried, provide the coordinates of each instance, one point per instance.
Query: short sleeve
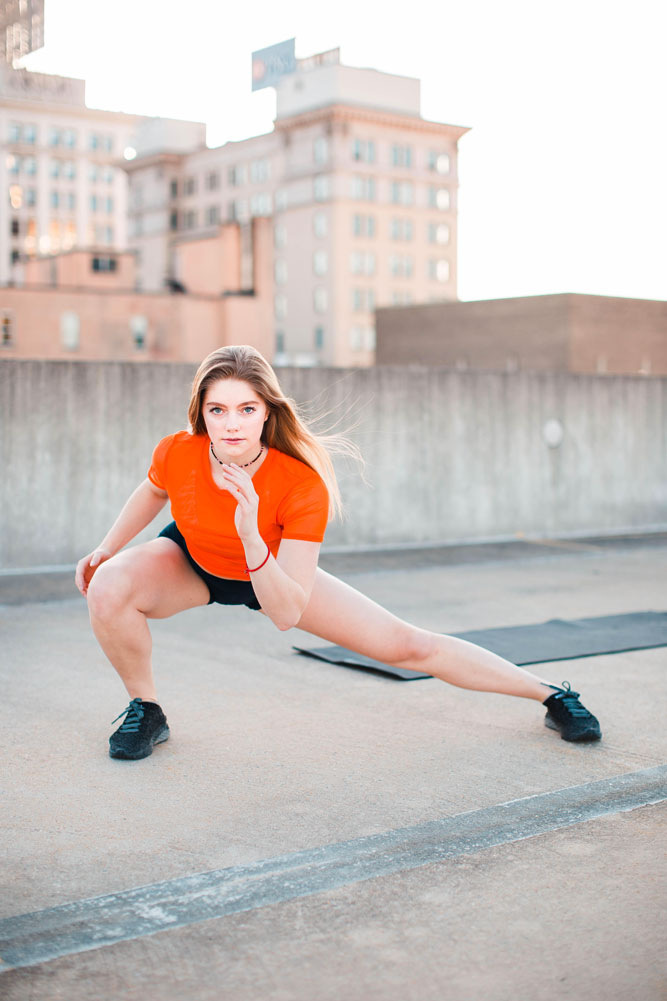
(304, 512)
(156, 473)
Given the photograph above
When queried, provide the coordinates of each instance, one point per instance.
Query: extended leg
(342, 615)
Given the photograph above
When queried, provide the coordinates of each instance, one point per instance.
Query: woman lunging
(251, 489)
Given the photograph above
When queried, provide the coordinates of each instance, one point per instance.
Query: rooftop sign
(269, 65)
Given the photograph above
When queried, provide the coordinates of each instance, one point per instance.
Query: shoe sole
(158, 739)
(586, 737)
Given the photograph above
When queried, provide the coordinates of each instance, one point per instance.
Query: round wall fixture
(553, 433)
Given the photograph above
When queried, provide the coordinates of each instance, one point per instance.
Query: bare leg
(154, 581)
(338, 613)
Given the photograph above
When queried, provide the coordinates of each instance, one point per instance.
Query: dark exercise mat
(557, 639)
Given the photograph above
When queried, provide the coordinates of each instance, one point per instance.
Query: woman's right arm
(139, 510)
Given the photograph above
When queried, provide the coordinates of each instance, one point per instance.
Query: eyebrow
(248, 403)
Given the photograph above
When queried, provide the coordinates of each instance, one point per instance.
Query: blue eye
(249, 410)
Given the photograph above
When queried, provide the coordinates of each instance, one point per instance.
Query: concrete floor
(272, 753)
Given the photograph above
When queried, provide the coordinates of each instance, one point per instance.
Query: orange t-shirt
(293, 502)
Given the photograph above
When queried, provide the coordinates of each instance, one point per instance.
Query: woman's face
(234, 415)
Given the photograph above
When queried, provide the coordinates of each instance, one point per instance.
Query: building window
(279, 236)
(320, 224)
(362, 188)
(280, 342)
(402, 192)
(439, 162)
(438, 198)
(362, 263)
(212, 215)
(108, 144)
(15, 256)
(363, 150)
(108, 175)
(281, 199)
(69, 169)
(190, 186)
(438, 232)
(173, 220)
(261, 205)
(139, 331)
(69, 138)
(30, 165)
(212, 181)
(320, 262)
(70, 330)
(54, 137)
(400, 265)
(14, 132)
(362, 338)
(173, 189)
(259, 171)
(401, 156)
(363, 300)
(92, 173)
(321, 188)
(107, 264)
(238, 210)
(93, 141)
(190, 220)
(7, 322)
(280, 271)
(321, 149)
(401, 297)
(402, 229)
(280, 306)
(54, 168)
(31, 197)
(14, 227)
(320, 299)
(55, 200)
(237, 175)
(363, 225)
(438, 270)
(319, 338)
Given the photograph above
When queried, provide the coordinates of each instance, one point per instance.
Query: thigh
(343, 615)
(155, 576)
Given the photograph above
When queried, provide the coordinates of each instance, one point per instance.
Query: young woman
(251, 490)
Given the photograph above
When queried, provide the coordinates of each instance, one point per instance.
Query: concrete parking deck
(354, 838)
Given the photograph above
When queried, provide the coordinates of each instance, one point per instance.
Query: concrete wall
(450, 455)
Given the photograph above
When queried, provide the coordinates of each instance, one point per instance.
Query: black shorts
(222, 590)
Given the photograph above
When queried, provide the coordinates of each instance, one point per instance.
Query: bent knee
(110, 589)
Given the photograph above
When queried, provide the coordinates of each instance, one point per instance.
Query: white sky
(563, 177)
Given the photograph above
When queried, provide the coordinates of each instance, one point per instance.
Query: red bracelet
(265, 560)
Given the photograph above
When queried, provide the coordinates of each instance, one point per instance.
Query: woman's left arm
(282, 585)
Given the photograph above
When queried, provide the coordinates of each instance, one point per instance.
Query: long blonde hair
(285, 429)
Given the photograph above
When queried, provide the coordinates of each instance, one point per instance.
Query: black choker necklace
(261, 449)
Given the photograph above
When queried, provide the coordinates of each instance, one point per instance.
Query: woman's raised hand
(239, 484)
(86, 567)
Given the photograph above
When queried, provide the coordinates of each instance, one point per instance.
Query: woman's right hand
(86, 567)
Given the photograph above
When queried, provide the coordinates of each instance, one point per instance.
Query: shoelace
(132, 721)
(571, 701)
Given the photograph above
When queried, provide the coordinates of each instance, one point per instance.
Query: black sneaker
(144, 725)
(566, 713)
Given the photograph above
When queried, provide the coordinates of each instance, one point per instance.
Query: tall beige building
(362, 193)
(60, 170)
